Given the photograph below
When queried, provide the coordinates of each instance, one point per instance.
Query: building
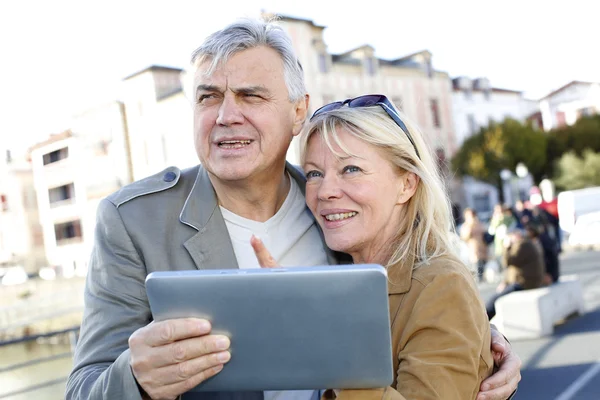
(411, 82)
(566, 105)
(476, 104)
(159, 121)
(21, 238)
(72, 172)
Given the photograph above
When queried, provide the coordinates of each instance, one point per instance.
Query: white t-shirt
(292, 238)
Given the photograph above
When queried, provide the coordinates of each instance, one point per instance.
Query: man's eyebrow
(206, 88)
(251, 90)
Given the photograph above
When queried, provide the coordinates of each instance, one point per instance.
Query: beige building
(72, 172)
(421, 92)
(21, 239)
(159, 121)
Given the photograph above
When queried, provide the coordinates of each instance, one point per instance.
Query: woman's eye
(312, 174)
(351, 168)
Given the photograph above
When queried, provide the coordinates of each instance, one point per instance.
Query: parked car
(586, 231)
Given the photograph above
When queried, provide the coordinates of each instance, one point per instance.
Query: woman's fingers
(265, 259)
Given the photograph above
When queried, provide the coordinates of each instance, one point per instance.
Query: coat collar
(399, 277)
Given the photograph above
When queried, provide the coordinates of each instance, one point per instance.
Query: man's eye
(203, 97)
(352, 168)
(313, 174)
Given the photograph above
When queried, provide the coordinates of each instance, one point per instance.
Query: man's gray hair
(247, 34)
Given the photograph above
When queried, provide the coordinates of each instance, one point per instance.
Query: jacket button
(169, 177)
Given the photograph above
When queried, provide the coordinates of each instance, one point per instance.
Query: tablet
(298, 328)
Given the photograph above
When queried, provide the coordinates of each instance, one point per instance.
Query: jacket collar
(399, 277)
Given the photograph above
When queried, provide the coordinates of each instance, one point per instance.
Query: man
(250, 101)
(524, 262)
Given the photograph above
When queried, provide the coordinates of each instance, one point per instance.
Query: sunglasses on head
(370, 100)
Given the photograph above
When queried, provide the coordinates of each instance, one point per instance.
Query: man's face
(243, 118)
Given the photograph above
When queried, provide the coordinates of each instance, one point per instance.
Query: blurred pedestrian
(524, 263)
(472, 232)
(501, 223)
(537, 231)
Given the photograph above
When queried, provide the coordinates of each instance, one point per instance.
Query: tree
(501, 146)
(574, 172)
(584, 134)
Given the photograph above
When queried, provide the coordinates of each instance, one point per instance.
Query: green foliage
(584, 134)
(501, 146)
(575, 172)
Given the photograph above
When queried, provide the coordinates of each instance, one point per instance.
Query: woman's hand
(265, 259)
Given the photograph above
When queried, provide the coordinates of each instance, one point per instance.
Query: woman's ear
(409, 183)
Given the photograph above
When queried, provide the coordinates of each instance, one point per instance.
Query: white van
(575, 203)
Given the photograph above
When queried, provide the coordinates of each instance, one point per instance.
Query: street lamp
(522, 172)
(505, 175)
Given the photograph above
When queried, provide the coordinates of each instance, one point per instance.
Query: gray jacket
(169, 221)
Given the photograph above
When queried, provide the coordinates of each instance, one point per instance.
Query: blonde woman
(374, 188)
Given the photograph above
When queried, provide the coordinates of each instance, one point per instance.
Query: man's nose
(330, 187)
(229, 112)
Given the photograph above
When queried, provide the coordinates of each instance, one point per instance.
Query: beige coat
(440, 334)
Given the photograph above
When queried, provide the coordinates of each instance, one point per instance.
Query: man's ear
(409, 184)
(301, 112)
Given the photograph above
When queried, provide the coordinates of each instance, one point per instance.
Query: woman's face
(356, 200)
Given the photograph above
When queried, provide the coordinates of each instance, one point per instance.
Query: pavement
(566, 365)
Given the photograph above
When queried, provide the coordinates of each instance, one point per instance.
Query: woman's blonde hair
(426, 228)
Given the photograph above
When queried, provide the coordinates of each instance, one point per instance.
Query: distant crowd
(522, 244)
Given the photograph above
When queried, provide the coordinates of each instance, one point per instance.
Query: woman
(472, 232)
(374, 188)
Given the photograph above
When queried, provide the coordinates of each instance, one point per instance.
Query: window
(429, 69)
(435, 112)
(60, 195)
(322, 63)
(487, 93)
(56, 155)
(3, 203)
(67, 231)
(370, 65)
(472, 124)
(585, 112)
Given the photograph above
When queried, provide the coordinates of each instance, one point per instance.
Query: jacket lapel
(210, 247)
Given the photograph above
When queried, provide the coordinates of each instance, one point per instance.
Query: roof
(408, 57)
(494, 89)
(153, 68)
(568, 85)
(289, 18)
(347, 53)
(51, 139)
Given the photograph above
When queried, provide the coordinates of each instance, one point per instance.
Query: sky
(60, 57)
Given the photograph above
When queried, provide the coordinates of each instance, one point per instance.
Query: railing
(37, 315)
(72, 334)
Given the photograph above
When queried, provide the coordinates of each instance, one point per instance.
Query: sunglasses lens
(366, 101)
(328, 107)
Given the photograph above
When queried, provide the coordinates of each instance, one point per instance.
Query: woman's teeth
(337, 217)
